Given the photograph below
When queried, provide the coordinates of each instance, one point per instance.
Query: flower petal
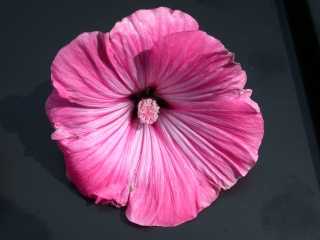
(168, 189)
(99, 145)
(138, 32)
(225, 134)
(81, 72)
(73, 120)
(191, 66)
(189, 155)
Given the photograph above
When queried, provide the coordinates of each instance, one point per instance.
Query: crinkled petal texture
(137, 33)
(203, 141)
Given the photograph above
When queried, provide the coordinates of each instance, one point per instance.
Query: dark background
(277, 44)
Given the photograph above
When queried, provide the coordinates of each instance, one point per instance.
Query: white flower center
(148, 111)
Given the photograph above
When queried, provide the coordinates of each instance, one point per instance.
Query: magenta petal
(138, 32)
(81, 72)
(96, 143)
(192, 66)
(167, 189)
(225, 134)
(75, 120)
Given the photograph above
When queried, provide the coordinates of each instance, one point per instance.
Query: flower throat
(147, 105)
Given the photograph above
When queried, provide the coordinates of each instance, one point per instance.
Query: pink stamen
(148, 111)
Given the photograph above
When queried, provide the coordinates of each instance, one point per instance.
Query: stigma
(148, 111)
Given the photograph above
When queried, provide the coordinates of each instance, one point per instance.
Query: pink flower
(153, 116)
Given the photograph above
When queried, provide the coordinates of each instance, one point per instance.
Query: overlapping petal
(82, 73)
(168, 188)
(224, 133)
(191, 66)
(138, 32)
(97, 146)
(74, 120)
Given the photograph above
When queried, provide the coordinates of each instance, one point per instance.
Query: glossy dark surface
(280, 197)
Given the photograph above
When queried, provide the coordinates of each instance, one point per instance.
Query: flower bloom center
(148, 111)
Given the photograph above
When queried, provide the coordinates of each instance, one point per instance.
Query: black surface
(314, 8)
(302, 25)
(278, 200)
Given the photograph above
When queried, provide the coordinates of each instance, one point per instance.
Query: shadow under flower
(15, 223)
(26, 117)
